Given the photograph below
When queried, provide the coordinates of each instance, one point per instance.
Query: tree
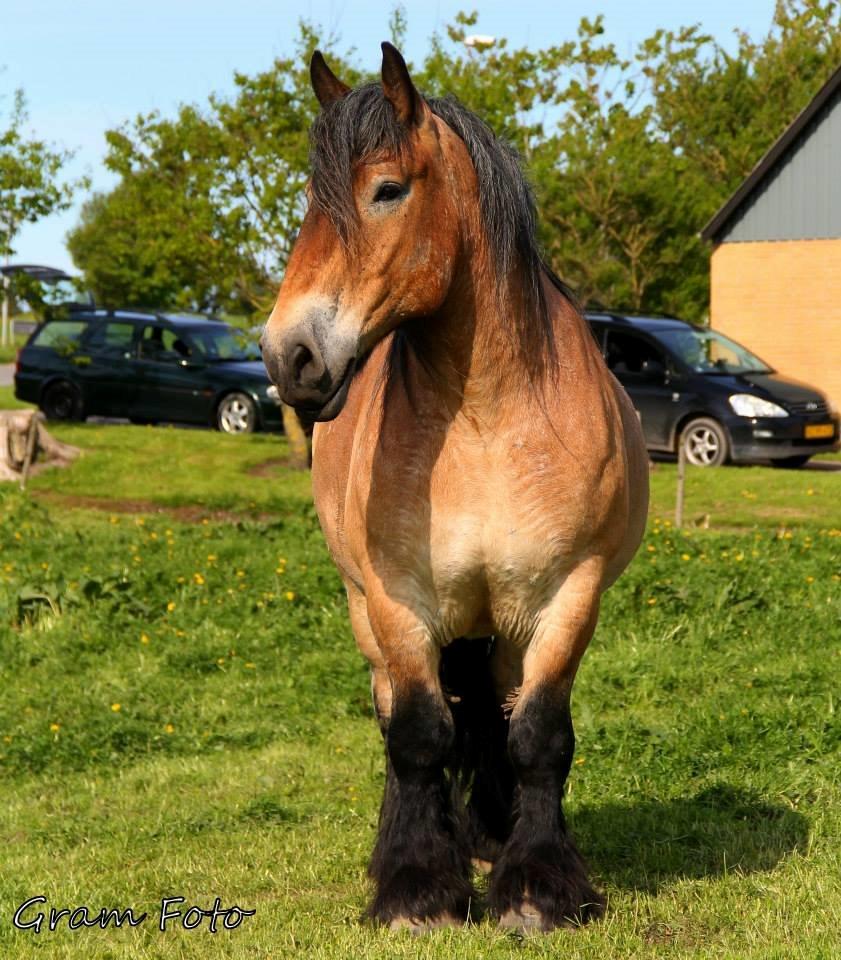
(209, 202)
(629, 157)
(29, 183)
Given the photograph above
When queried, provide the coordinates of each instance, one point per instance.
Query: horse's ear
(398, 87)
(327, 86)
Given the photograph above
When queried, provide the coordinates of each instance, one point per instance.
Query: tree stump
(26, 447)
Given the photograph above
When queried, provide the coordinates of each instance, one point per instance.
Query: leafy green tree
(629, 157)
(30, 187)
(209, 202)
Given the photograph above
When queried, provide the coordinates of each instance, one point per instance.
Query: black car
(693, 386)
(148, 368)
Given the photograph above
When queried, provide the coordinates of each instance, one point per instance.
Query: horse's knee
(541, 742)
(420, 733)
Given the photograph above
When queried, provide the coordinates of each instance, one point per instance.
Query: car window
(163, 344)
(111, 339)
(63, 336)
(626, 353)
(709, 352)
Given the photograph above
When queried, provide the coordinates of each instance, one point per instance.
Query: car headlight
(273, 393)
(746, 405)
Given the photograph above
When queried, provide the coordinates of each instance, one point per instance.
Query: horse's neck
(472, 353)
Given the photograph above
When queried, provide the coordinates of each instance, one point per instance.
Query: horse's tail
(479, 765)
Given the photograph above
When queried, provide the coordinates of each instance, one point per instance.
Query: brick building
(776, 261)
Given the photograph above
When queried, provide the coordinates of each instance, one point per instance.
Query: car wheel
(62, 401)
(236, 413)
(704, 442)
(791, 463)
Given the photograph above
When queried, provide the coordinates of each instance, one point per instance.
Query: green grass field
(184, 714)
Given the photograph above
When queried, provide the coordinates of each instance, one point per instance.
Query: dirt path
(183, 514)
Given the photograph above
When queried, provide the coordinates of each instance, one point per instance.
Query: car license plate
(815, 430)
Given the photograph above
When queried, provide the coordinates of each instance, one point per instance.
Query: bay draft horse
(480, 478)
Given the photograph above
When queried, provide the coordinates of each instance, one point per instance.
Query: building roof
(770, 160)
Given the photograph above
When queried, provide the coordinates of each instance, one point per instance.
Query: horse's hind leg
(476, 680)
(421, 862)
(540, 880)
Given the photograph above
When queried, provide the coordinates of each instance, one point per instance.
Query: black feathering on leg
(541, 879)
(480, 764)
(421, 863)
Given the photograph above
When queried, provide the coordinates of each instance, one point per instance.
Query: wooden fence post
(681, 477)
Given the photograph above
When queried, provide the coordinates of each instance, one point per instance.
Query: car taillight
(17, 361)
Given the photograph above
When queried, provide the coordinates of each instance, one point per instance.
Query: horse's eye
(388, 192)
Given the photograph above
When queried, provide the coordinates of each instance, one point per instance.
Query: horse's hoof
(418, 926)
(527, 918)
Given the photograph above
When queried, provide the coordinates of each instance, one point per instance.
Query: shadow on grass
(649, 844)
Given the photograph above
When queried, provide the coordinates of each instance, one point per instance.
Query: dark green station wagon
(148, 368)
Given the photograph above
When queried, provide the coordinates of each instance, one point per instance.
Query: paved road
(7, 371)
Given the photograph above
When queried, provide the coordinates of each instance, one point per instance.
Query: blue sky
(88, 65)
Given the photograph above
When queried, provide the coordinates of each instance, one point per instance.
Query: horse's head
(380, 239)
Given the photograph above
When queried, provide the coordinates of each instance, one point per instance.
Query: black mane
(363, 124)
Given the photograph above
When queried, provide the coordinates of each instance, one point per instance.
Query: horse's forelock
(359, 126)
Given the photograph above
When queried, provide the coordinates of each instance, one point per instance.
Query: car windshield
(217, 344)
(709, 352)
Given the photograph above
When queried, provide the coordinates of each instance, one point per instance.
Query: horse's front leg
(421, 861)
(540, 880)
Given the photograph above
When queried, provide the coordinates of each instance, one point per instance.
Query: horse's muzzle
(311, 374)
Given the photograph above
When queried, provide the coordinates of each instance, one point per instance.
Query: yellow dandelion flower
(249, 666)
(55, 727)
(580, 761)
(169, 728)
(651, 548)
(212, 558)
(221, 661)
(289, 595)
(651, 601)
(170, 606)
(685, 556)
(810, 579)
(199, 579)
(240, 574)
(116, 707)
(144, 638)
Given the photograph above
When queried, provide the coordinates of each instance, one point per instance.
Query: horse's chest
(472, 550)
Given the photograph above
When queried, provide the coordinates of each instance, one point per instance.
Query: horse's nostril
(301, 358)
